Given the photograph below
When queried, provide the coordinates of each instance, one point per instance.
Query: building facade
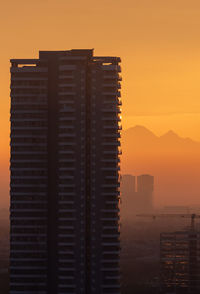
(145, 190)
(137, 195)
(180, 262)
(65, 148)
(129, 201)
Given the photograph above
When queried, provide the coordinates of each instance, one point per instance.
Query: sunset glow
(158, 42)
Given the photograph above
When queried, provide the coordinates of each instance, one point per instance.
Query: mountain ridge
(142, 131)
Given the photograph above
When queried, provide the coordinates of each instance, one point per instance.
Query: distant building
(137, 195)
(180, 262)
(65, 140)
(145, 189)
(128, 197)
(128, 184)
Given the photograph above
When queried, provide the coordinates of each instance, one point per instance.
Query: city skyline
(158, 43)
(140, 166)
(99, 183)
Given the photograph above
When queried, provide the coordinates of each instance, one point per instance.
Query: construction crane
(192, 216)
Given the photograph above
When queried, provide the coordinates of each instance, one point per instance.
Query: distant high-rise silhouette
(137, 195)
(128, 183)
(145, 188)
(65, 116)
(128, 197)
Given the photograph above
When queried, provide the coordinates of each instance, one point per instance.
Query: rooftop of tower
(65, 54)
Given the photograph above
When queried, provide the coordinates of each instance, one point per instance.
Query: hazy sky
(158, 41)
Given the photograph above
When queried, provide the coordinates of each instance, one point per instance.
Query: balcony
(67, 93)
(68, 135)
(117, 143)
(112, 135)
(33, 78)
(116, 93)
(66, 152)
(24, 87)
(110, 219)
(114, 210)
(109, 118)
(66, 84)
(112, 67)
(66, 177)
(70, 67)
(66, 118)
(70, 102)
(66, 76)
(115, 152)
(28, 69)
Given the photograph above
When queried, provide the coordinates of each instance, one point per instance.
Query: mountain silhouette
(145, 139)
(173, 160)
(140, 132)
(171, 135)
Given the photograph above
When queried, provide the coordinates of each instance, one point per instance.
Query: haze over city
(158, 42)
(102, 178)
(174, 161)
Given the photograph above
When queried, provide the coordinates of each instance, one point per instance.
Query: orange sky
(158, 40)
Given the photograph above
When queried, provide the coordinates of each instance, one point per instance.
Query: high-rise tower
(145, 189)
(65, 130)
(128, 191)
